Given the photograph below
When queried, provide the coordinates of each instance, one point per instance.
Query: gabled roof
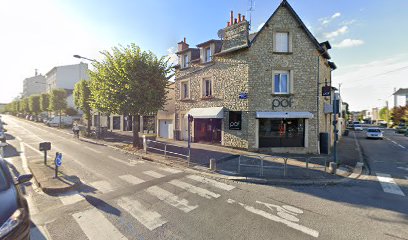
(401, 92)
(284, 3)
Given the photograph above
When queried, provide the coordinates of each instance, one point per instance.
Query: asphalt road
(125, 198)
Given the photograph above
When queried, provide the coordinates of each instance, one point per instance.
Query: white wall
(66, 76)
(34, 85)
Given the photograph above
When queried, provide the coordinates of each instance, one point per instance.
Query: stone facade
(245, 66)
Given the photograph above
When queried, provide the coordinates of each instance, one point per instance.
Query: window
(282, 42)
(208, 56)
(281, 82)
(207, 88)
(185, 60)
(281, 133)
(185, 92)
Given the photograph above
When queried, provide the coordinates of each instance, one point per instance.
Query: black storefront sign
(282, 102)
(326, 91)
(235, 120)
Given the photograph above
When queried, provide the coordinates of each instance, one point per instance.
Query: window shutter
(291, 82)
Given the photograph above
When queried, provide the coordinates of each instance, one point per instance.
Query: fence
(163, 148)
(257, 161)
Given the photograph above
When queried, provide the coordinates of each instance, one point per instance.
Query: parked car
(14, 212)
(374, 133)
(401, 128)
(358, 127)
(65, 121)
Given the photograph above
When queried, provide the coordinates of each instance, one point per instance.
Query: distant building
(402, 92)
(34, 85)
(66, 76)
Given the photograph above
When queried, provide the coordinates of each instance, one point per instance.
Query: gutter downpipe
(317, 103)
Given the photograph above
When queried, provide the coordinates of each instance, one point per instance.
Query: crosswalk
(389, 184)
(182, 194)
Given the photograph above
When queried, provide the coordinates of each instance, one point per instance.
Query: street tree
(82, 100)
(34, 104)
(384, 114)
(130, 81)
(399, 115)
(24, 106)
(44, 102)
(58, 102)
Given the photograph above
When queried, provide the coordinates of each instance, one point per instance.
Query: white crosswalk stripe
(131, 179)
(212, 182)
(171, 199)
(170, 170)
(150, 219)
(153, 174)
(70, 198)
(193, 189)
(388, 184)
(95, 225)
(103, 186)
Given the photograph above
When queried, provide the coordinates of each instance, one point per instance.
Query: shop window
(281, 133)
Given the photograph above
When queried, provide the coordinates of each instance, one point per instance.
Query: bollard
(332, 167)
(213, 164)
(144, 144)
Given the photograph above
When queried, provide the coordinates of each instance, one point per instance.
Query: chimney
(36, 72)
(232, 17)
(228, 23)
(182, 45)
(235, 21)
(236, 33)
(243, 17)
(239, 17)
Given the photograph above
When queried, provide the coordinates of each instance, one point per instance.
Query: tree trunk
(136, 130)
(89, 119)
(60, 119)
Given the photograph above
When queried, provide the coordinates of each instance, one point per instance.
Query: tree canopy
(44, 102)
(58, 100)
(82, 99)
(34, 104)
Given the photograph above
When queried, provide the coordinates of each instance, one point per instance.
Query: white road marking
(92, 150)
(170, 170)
(70, 198)
(103, 186)
(212, 182)
(25, 167)
(95, 225)
(130, 163)
(171, 199)
(403, 168)
(275, 218)
(388, 184)
(150, 219)
(131, 179)
(153, 174)
(193, 189)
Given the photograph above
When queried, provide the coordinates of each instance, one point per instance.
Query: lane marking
(103, 186)
(211, 182)
(170, 170)
(93, 150)
(153, 174)
(193, 189)
(131, 179)
(171, 199)
(275, 218)
(388, 184)
(95, 225)
(150, 219)
(71, 197)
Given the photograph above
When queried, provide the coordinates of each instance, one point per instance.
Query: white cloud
(260, 26)
(347, 23)
(336, 15)
(327, 20)
(338, 32)
(346, 43)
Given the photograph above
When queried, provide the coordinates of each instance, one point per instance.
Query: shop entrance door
(207, 130)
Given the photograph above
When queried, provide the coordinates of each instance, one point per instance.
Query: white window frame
(204, 87)
(185, 63)
(207, 57)
(288, 81)
(278, 42)
(182, 92)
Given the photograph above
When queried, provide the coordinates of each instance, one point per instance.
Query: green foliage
(24, 106)
(58, 100)
(34, 104)
(82, 97)
(44, 102)
(399, 115)
(384, 113)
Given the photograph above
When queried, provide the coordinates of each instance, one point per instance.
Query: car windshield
(373, 130)
(3, 180)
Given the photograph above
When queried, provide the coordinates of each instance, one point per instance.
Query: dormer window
(185, 61)
(208, 56)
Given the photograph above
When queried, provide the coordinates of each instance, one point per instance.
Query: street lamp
(80, 57)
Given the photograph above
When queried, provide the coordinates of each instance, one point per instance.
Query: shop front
(283, 129)
(207, 124)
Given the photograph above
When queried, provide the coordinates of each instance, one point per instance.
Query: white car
(374, 133)
(358, 127)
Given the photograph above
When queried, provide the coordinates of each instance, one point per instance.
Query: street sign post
(58, 162)
(45, 146)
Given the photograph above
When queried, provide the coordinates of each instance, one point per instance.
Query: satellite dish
(221, 33)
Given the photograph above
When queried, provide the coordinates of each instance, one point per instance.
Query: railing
(166, 152)
(258, 161)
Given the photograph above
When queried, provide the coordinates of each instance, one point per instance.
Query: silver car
(374, 133)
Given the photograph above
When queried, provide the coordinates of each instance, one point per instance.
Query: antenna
(250, 10)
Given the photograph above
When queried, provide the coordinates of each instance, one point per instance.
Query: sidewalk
(227, 161)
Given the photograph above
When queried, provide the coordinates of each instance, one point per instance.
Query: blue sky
(368, 36)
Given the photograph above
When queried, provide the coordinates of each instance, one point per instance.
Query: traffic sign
(58, 160)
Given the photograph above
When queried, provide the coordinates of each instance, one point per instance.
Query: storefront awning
(284, 115)
(212, 112)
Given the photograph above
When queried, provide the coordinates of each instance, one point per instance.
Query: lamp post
(99, 113)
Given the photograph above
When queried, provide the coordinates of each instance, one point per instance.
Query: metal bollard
(261, 170)
(144, 144)
(213, 164)
(285, 167)
(165, 151)
(239, 164)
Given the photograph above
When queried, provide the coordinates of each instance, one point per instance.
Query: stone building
(260, 91)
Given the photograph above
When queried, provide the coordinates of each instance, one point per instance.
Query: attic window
(282, 42)
(208, 56)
